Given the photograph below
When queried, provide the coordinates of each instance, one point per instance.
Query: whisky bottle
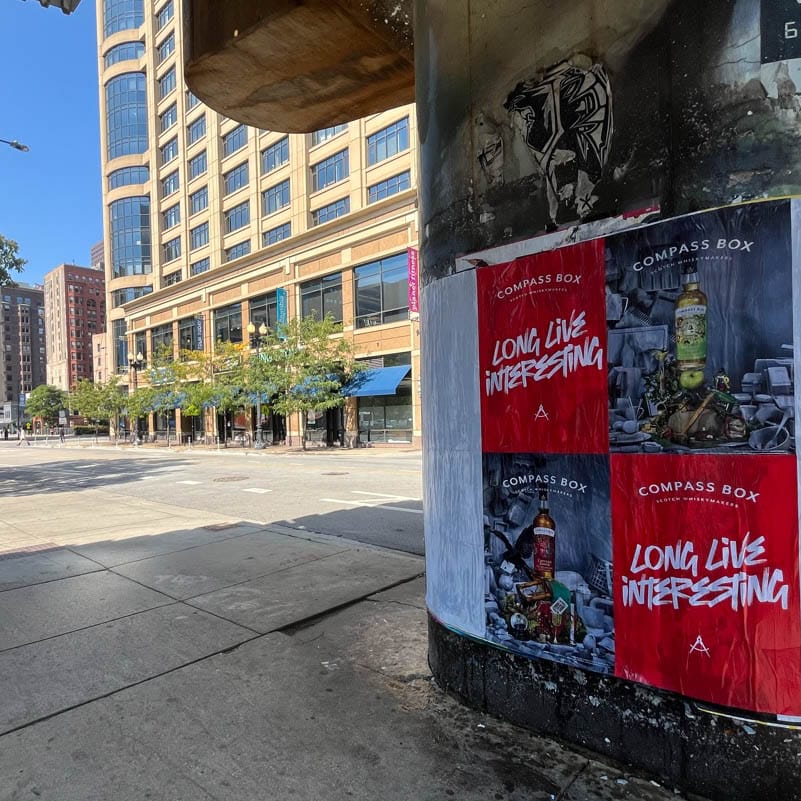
(691, 330)
(544, 550)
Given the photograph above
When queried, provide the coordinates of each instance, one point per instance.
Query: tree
(98, 402)
(46, 401)
(302, 367)
(214, 379)
(10, 260)
(166, 378)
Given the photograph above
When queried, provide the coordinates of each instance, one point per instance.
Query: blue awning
(377, 381)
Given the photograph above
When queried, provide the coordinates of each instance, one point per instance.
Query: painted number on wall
(781, 30)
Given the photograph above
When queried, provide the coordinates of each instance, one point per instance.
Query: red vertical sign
(707, 585)
(414, 280)
(542, 365)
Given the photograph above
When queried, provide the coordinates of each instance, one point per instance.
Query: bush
(79, 430)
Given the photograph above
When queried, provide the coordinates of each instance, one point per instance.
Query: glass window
(236, 251)
(126, 115)
(330, 171)
(327, 133)
(276, 234)
(322, 296)
(237, 217)
(197, 165)
(127, 176)
(130, 51)
(169, 151)
(122, 15)
(161, 337)
(199, 236)
(382, 291)
(166, 83)
(234, 140)
(120, 296)
(191, 100)
(130, 236)
(164, 15)
(228, 323)
(172, 278)
(166, 48)
(120, 345)
(275, 155)
(276, 197)
(331, 211)
(171, 249)
(388, 141)
(393, 185)
(235, 179)
(168, 118)
(172, 216)
(196, 129)
(199, 266)
(170, 184)
(264, 309)
(190, 333)
(199, 200)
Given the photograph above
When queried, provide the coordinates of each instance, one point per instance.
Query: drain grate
(228, 479)
(220, 526)
(335, 474)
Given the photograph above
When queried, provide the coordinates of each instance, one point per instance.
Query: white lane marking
(257, 490)
(110, 475)
(85, 466)
(376, 505)
(384, 495)
(188, 482)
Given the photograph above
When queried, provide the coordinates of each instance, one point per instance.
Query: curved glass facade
(127, 176)
(126, 115)
(130, 236)
(128, 51)
(122, 15)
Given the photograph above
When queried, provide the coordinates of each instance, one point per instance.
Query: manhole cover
(335, 474)
(225, 479)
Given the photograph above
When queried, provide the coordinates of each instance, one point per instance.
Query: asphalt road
(368, 496)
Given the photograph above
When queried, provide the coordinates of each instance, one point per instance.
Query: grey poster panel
(700, 333)
(555, 605)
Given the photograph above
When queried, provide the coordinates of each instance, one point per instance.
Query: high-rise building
(97, 256)
(22, 347)
(206, 220)
(75, 309)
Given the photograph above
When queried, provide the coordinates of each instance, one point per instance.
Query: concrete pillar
(543, 125)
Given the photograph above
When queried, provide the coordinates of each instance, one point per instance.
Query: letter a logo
(541, 414)
(700, 646)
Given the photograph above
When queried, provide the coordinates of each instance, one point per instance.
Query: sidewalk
(177, 655)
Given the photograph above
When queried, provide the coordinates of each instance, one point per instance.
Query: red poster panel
(542, 335)
(706, 586)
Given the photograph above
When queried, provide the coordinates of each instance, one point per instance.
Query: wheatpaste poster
(638, 439)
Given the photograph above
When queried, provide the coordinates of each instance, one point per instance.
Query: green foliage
(81, 430)
(97, 402)
(46, 401)
(301, 367)
(10, 260)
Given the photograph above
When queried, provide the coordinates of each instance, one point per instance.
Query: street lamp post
(262, 333)
(15, 144)
(135, 363)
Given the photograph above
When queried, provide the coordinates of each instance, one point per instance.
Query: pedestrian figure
(61, 433)
(23, 434)
(5, 433)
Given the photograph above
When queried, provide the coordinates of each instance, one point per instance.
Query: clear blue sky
(50, 197)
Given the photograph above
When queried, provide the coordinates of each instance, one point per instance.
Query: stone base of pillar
(656, 732)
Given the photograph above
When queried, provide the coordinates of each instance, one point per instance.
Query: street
(371, 496)
(229, 626)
